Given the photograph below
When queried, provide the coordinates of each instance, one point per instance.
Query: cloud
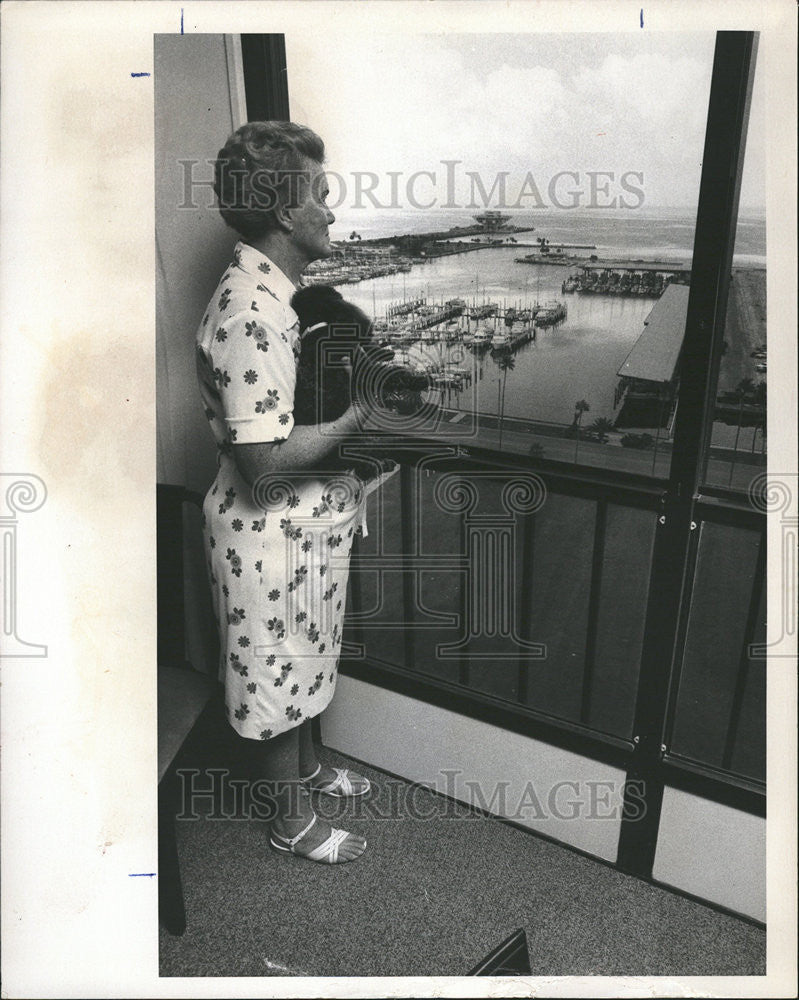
(658, 91)
(407, 102)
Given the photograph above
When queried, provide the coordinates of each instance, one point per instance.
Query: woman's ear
(283, 216)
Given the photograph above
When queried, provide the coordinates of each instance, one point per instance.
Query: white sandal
(326, 852)
(340, 787)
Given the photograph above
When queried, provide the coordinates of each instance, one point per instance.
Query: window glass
(720, 711)
(518, 214)
(738, 442)
(518, 211)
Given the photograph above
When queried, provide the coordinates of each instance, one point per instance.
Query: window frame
(680, 502)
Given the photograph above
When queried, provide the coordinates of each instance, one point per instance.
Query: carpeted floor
(438, 888)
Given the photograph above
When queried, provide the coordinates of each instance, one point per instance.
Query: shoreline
(372, 258)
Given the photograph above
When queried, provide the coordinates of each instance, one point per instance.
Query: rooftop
(661, 266)
(654, 355)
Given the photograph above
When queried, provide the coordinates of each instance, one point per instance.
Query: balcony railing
(538, 614)
(520, 594)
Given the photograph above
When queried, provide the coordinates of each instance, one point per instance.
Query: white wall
(712, 851)
(419, 742)
(198, 103)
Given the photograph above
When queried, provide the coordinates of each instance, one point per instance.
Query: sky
(530, 105)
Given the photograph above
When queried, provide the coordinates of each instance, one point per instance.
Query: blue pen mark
(142, 874)
(139, 74)
(642, 17)
(181, 20)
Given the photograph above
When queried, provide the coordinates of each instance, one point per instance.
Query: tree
(505, 362)
(580, 407)
(601, 426)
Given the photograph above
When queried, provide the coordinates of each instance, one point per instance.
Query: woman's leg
(307, 751)
(309, 762)
(278, 762)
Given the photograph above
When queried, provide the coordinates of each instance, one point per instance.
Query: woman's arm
(304, 448)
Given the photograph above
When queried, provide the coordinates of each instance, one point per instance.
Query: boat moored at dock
(550, 314)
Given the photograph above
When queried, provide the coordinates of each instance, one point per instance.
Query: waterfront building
(492, 221)
(646, 393)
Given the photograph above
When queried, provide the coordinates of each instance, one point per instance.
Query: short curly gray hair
(260, 166)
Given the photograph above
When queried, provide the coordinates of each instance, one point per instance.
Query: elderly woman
(278, 531)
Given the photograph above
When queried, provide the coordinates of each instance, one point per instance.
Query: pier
(404, 308)
(644, 278)
(483, 326)
(659, 266)
(646, 394)
(555, 259)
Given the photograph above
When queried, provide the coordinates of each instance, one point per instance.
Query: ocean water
(646, 230)
(579, 358)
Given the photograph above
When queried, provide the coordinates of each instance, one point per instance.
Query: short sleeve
(254, 369)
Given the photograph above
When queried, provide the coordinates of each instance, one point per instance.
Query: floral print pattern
(278, 572)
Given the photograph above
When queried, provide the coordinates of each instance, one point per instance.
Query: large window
(552, 193)
(571, 551)
(739, 433)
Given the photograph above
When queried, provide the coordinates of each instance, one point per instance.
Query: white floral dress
(278, 554)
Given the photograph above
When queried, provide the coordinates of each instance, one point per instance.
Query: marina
(556, 352)
(489, 325)
(534, 343)
(356, 259)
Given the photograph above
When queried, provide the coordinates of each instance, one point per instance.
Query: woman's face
(312, 217)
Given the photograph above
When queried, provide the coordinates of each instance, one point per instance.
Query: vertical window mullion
(714, 242)
(722, 163)
(265, 77)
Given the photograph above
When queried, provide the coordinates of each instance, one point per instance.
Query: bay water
(576, 360)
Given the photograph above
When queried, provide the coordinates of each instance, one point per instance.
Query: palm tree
(580, 407)
(505, 362)
(601, 426)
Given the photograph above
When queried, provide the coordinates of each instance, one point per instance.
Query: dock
(628, 277)
(646, 394)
